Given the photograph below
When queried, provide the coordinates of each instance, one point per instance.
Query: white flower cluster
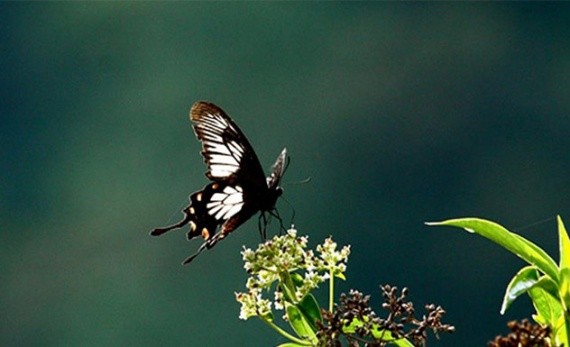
(334, 261)
(297, 271)
(252, 304)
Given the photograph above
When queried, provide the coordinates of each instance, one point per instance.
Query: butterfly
(238, 187)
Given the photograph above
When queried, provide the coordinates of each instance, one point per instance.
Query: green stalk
(284, 333)
(331, 290)
(287, 286)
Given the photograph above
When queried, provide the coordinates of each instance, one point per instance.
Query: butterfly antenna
(287, 163)
(304, 181)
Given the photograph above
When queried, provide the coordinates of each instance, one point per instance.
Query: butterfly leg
(262, 226)
(206, 245)
(275, 214)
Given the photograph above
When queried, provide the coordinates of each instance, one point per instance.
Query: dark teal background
(400, 112)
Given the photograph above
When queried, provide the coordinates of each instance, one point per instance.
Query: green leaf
(379, 334)
(516, 244)
(564, 242)
(548, 308)
(297, 279)
(563, 334)
(539, 319)
(519, 285)
(269, 316)
(565, 290)
(340, 275)
(403, 343)
(299, 323)
(386, 335)
(290, 344)
(548, 285)
(310, 309)
(544, 296)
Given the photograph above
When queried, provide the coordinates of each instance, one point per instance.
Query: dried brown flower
(523, 334)
(373, 331)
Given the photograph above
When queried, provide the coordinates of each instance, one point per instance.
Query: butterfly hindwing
(215, 205)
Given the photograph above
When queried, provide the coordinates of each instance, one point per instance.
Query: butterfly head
(277, 171)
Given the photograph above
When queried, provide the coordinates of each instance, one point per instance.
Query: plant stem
(331, 291)
(284, 333)
(287, 286)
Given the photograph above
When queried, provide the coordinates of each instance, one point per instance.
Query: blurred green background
(400, 112)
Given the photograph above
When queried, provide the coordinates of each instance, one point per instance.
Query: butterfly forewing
(225, 149)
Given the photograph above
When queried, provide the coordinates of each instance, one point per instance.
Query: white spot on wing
(233, 199)
(222, 170)
(222, 155)
(209, 136)
(236, 148)
(217, 120)
(217, 148)
(222, 213)
(235, 209)
(225, 205)
(218, 197)
(223, 159)
(231, 190)
(215, 209)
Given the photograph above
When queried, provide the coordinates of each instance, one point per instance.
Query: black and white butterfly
(239, 188)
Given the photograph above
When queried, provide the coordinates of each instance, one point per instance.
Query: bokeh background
(399, 112)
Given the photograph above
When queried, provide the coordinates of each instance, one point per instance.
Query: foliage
(546, 283)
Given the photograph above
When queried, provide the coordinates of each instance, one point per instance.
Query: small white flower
(279, 300)
(285, 258)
